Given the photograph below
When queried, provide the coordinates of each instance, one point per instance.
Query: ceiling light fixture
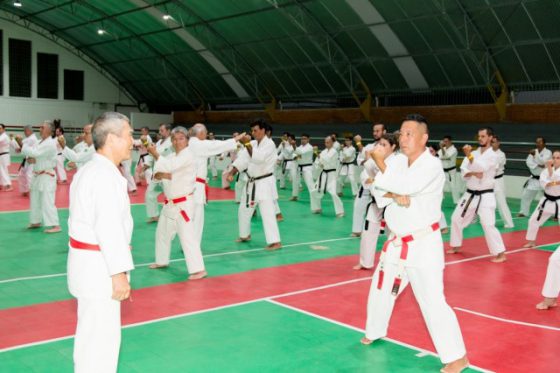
(101, 32)
(167, 17)
(18, 4)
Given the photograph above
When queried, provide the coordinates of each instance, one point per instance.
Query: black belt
(252, 195)
(474, 193)
(499, 176)
(22, 165)
(449, 169)
(239, 173)
(529, 179)
(141, 159)
(548, 198)
(366, 225)
(326, 178)
(301, 166)
(1, 154)
(284, 164)
(59, 154)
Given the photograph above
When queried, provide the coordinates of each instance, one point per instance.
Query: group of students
(399, 184)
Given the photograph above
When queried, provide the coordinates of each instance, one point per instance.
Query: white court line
(181, 259)
(509, 321)
(422, 352)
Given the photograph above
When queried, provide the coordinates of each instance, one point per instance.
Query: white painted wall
(100, 94)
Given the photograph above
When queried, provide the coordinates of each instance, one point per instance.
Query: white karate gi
(304, 169)
(5, 159)
(546, 206)
(232, 155)
(25, 172)
(535, 163)
(80, 158)
(363, 197)
(202, 150)
(551, 286)
(484, 205)
(164, 148)
(177, 217)
(449, 163)
(374, 216)
(139, 171)
(500, 190)
(99, 215)
(261, 192)
(423, 181)
(288, 167)
(347, 169)
(43, 183)
(212, 164)
(60, 170)
(328, 163)
(125, 167)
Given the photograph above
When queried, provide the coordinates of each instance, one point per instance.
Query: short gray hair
(28, 127)
(50, 124)
(198, 128)
(180, 129)
(109, 122)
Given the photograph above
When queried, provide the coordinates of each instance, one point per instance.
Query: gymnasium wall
(100, 93)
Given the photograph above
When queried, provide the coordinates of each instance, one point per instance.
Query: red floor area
(14, 201)
(520, 281)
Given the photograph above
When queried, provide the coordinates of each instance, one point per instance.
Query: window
(47, 75)
(73, 85)
(20, 67)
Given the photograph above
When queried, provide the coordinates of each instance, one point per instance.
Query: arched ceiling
(235, 51)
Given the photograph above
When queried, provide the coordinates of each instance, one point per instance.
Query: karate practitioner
(60, 170)
(86, 152)
(549, 205)
(304, 159)
(213, 159)
(288, 167)
(499, 185)
(347, 167)
(177, 173)
(143, 171)
(25, 172)
(374, 214)
(232, 155)
(411, 188)
(328, 163)
(261, 187)
(447, 153)
(99, 257)
(43, 156)
(202, 149)
(164, 148)
(364, 197)
(125, 169)
(5, 181)
(536, 161)
(479, 169)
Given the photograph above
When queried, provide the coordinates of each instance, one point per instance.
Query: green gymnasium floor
(252, 335)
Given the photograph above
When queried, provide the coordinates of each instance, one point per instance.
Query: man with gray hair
(176, 173)
(85, 154)
(25, 172)
(202, 149)
(99, 259)
(43, 183)
(163, 147)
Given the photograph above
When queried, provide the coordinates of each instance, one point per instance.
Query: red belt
(206, 188)
(85, 246)
(179, 200)
(44, 173)
(404, 254)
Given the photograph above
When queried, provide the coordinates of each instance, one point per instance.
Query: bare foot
(453, 250)
(279, 217)
(8, 189)
(445, 231)
(500, 258)
(133, 193)
(341, 215)
(547, 304)
(153, 220)
(318, 211)
(293, 199)
(54, 229)
(358, 267)
(243, 239)
(366, 341)
(25, 194)
(273, 246)
(356, 234)
(520, 215)
(158, 266)
(198, 275)
(33, 226)
(227, 188)
(456, 366)
(529, 244)
(339, 194)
